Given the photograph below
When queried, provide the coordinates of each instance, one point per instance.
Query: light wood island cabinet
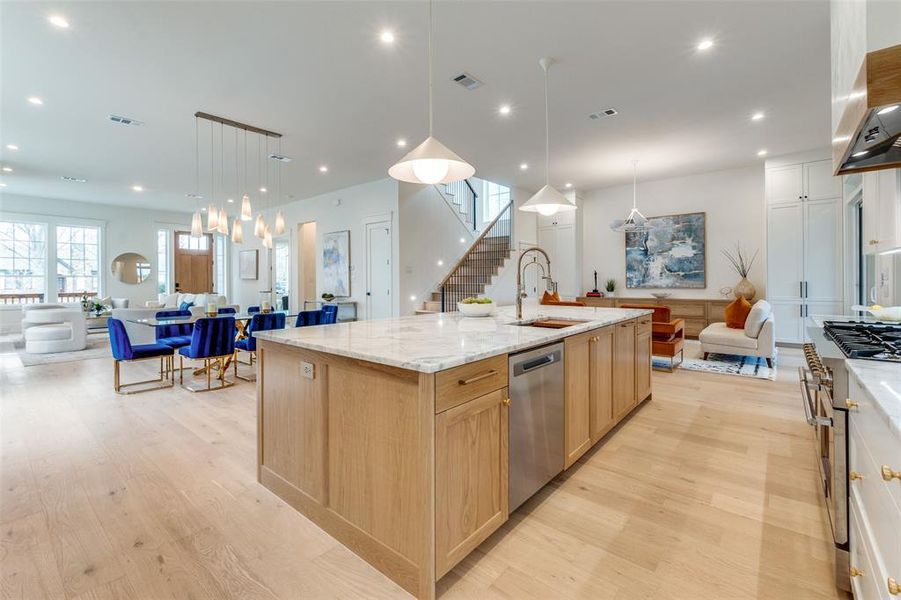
(409, 469)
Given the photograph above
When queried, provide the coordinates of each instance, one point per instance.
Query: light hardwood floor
(708, 491)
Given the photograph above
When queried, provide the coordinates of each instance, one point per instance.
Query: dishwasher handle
(532, 364)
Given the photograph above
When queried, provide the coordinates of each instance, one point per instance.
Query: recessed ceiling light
(861, 153)
(567, 185)
(758, 116)
(2, 184)
(440, 263)
(401, 143)
(263, 190)
(58, 21)
(887, 109)
(12, 147)
(523, 167)
(203, 209)
(137, 188)
(323, 169)
(504, 109)
(35, 100)
(761, 153)
(231, 200)
(387, 36)
(413, 298)
(705, 44)
(73, 179)
(462, 240)
(7, 169)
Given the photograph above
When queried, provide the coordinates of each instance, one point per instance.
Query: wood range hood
(868, 137)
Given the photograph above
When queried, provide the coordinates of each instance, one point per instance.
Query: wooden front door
(193, 263)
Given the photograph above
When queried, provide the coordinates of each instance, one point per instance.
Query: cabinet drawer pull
(854, 476)
(480, 377)
(594, 338)
(851, 404)
(855, 572)
(893, 587)
(888, 474)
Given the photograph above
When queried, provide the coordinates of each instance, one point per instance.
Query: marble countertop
(434, 342)
(882, 381)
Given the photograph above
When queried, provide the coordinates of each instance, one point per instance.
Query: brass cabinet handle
(893, 587)
(851, 404)
(854, 476)
(855, 572)
(888, 474)
(506, 401)
(484, 375)
(874, 242)
(594, 338)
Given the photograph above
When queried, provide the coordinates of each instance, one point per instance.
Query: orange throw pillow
(737, 313)
(547, 298)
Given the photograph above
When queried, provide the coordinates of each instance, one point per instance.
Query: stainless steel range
(824, 387)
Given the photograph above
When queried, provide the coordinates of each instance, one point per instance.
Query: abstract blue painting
(671, 255)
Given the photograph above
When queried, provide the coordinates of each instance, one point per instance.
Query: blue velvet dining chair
(213, 341)
(259, 322)
(253, 309)
(227, 310)
(123, 351)
(329, 314)
(306, 318)
(177, 334)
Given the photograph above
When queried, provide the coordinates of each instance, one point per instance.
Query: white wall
(733, 200)
(525, 234)
(123, 229)
(350, 208)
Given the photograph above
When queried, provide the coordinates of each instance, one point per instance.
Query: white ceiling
(316, 72)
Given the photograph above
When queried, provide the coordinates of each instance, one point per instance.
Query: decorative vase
(744, 289)
(610, 294)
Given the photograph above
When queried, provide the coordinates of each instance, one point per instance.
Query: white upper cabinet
(882, 210)
(785, 252)
(785, 184)
(819, 183)
(823, 251)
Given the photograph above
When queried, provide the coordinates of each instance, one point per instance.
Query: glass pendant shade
(196, 225)
(246, 210)
(223, 222)
(279, 223)
(431, 162)
(267, 238)
(259, 228)
(237, 232)
(212, 217)
(548, 201)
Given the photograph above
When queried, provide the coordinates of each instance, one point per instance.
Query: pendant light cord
(245, 161)
(634, 184)
(222, 156)
(196, 166)
(431, 118)
(547, 133)
(212, 184)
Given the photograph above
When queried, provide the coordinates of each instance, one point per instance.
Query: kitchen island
(391, 434)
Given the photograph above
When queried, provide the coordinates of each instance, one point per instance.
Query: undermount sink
(549, 323)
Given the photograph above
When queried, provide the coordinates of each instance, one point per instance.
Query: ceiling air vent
(468, 81)
(601, 114)
(73, 179)
(280, 157)
(125, 121)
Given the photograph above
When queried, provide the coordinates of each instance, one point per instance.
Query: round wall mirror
(130, 267)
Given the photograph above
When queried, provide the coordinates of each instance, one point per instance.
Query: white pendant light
(196, 225)
(279, 223)
(431, 161)
(212, 217)
(237, 232)
(246, 210)
(259, 228)
(267, 238)
(635, 222)
(223, 222)
(547, 201)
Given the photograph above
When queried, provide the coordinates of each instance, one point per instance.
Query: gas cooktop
(872, 341)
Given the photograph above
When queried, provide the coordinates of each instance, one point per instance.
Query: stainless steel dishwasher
(535, 420)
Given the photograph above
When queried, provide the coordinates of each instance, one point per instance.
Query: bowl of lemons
(881, 313)
(476, 307)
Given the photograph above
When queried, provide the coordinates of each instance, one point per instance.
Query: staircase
(461, 196)
(477, 268)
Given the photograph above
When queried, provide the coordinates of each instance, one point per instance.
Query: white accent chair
(53, 328)
(758, 338)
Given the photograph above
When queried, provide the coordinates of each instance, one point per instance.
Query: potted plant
(610, 287)
(742, 264)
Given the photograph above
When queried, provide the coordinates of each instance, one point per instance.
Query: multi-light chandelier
(217, 211)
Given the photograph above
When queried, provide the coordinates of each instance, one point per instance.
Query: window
(162, 259)
(282, 252)
(23, 258)
(77, 259)
(496, 198)
(220, 265)
(188, 242)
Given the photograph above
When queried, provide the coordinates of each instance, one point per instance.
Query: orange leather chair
(550, 299)
(667, 334)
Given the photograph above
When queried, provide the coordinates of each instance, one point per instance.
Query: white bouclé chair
(53, 328)
(758, 338)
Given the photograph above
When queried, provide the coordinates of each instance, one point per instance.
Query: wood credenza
(697, 312)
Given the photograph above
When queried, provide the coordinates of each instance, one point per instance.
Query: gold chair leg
(116, 385)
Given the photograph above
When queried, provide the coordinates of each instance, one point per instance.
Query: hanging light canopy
(547, 201)
(431, 161)
(635, 222)
(237, 232)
